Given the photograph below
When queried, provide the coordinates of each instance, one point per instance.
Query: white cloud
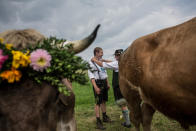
(122, 21)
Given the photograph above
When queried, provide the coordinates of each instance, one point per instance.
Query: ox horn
(80, 45)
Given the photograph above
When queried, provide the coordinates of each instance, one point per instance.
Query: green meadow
(85, 116)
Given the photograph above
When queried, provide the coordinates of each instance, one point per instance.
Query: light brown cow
(27, 106)
(160, 70)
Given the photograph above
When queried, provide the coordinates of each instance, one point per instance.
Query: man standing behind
(98, 77)
(115, 84)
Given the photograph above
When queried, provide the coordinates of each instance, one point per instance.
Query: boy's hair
(96, 50)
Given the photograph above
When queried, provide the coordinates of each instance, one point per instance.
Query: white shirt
(93, 72)
(111, 65)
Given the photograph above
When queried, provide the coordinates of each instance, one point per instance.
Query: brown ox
(27, 106)
(160, 68)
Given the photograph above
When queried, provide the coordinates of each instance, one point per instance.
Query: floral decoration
(40, 59)
(2, 58)
(48, 61)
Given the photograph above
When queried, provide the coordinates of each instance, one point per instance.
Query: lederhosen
(102, 84)
(115, 85)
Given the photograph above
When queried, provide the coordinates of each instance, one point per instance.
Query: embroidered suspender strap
(97, 69)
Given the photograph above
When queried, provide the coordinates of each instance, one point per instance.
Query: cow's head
(23, 38)
(29, 106)
(34, 107)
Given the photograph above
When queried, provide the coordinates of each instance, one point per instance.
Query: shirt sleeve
(91, 75)
(111, 65)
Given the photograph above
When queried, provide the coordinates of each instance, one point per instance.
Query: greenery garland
(60, 62)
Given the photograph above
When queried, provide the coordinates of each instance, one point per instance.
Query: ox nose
(69, 126)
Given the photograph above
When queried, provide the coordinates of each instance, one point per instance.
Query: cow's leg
(135, 116)
(135, 111)
(147, 114)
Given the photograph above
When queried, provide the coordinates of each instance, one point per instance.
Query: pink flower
(40, 59)
(2, 58)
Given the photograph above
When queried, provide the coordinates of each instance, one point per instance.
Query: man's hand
(108, 86)
(98, 62)
(97, 90)
(93, 59)
(107, 61)
(103, 60)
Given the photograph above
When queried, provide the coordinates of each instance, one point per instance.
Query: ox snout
(69, 126)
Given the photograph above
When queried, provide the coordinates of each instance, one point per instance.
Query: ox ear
(66, 100)
(63, 99)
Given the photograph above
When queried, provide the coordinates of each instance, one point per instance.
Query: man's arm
(97, 90)
(103, 60)
(107, 65)
(97, 62)
(92, 78)
(108, 85)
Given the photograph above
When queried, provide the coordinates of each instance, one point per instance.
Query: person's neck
(97, 57)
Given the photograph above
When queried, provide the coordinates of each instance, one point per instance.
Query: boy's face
(117, 57)
(99, 54)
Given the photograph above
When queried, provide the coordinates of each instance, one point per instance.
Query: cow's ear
(66, 101)
(63, 99)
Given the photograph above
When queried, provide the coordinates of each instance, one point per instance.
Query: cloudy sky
(122, 21)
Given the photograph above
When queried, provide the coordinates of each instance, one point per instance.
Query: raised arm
(97, 62)
(103, 60)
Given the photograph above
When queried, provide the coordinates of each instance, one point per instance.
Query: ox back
(162, 68)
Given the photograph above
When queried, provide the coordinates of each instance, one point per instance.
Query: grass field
(85, 116)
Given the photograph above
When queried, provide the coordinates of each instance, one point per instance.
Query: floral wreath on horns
(41, 63)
